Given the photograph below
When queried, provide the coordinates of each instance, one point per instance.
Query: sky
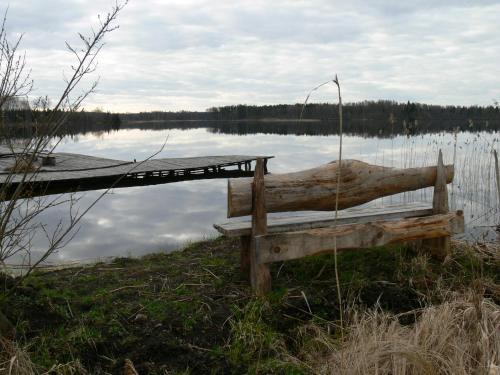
(172, 55)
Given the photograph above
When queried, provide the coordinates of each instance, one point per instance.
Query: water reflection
(135, 221)
(139, 220)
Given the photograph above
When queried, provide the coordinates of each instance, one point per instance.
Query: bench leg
(245, 242)
(437, 247)
(260, 277)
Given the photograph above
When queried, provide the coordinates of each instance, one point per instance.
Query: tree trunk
(315, 189)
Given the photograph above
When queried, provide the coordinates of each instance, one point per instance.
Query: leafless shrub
(18, 216)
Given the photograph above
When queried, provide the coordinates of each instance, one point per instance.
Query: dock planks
(75, 172)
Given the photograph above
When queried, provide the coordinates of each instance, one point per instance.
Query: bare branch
(18, 216)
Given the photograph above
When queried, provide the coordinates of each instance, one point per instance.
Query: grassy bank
(191, 312)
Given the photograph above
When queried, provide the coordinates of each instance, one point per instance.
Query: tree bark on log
(315, 189)
(294, 245)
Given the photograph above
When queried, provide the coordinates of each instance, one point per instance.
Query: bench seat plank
(326, 219)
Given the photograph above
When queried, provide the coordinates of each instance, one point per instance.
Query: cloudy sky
(195, 54)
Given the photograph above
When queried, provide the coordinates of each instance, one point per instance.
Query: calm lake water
(140, 220)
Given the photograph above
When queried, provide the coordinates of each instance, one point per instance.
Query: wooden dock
(75, 172)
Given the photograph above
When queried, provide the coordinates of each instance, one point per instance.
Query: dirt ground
(193, 312)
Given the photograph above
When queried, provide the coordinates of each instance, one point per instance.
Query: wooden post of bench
(439, 247)
(260, 276)
(245, 243)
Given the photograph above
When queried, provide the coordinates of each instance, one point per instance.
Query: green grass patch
(194, 311)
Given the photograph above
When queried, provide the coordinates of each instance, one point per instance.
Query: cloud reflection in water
(139, 220)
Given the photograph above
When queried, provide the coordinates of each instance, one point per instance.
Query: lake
(140, 220)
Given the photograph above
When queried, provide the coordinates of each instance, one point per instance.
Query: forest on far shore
(376, 118)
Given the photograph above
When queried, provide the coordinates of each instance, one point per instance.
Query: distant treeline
(381, 118)
(26, 123)
(372, 118)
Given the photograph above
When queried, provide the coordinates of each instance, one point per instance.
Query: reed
(459, 336)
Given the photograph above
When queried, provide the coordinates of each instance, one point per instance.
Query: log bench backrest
(315, 189)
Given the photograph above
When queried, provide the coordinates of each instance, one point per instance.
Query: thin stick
(339, 296)
(122, 288)
(307, 302)
(497, 173)
(455, 136)
(307, 98)
(211, 273)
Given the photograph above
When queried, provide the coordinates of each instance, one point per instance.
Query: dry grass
(460, 336)
(14, 360)
(486, 252)
(70, 368)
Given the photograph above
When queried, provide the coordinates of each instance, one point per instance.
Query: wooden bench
(265, 241)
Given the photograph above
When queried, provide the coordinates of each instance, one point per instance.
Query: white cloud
(172, 55)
